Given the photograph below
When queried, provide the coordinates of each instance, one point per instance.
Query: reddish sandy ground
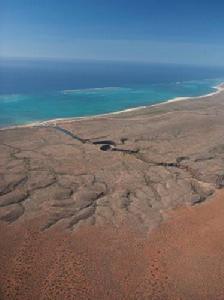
(183, 259)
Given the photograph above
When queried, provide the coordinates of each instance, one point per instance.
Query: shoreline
(115, 222)
(219, 88)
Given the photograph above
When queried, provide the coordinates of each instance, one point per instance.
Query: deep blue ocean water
(42, 90)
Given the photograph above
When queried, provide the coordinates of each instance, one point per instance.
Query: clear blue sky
(179, 31)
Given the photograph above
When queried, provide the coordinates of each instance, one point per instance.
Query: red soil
(183, 259)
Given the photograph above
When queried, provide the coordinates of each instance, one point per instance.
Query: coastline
(219, 88)
(121, 221)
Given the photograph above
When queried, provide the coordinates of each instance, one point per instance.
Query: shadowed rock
(106, 147)
(15, 196)
(105, 142)
(220, 181)
(11, 213)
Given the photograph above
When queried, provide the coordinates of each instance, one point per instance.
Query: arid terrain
(123, 206)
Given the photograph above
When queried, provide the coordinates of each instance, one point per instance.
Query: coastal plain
(122, 206)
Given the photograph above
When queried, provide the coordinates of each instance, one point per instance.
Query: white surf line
(219, 88)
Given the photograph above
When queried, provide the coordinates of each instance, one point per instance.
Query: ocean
(39, 90)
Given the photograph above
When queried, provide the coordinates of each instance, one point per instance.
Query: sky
(170, 31)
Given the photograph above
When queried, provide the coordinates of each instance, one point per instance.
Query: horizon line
(50, 58)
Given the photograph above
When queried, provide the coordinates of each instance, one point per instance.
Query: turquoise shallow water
(23, 108)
